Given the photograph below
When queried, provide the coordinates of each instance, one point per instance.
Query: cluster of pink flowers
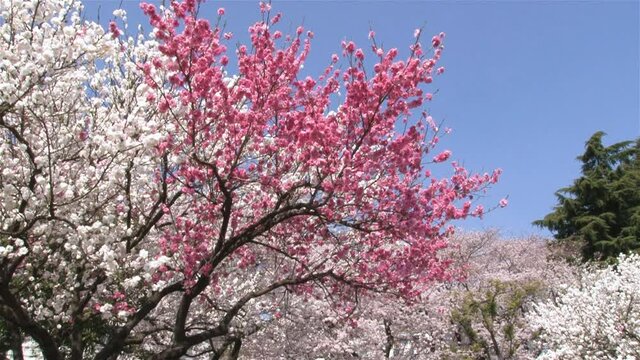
(278, 145)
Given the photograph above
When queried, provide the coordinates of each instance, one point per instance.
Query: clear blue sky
(527, 82)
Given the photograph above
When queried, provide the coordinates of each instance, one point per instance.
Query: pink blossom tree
(153, 204)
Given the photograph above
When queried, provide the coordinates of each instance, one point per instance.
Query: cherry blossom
(156, 205)
(429, 327)
(596, 318)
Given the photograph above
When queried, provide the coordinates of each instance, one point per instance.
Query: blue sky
(527, 82)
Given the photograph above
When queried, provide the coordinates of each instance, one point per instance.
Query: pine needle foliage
(601, 209)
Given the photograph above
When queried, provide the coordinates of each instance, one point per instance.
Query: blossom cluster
(597, 318)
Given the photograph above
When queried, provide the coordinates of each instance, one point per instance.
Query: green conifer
(601, 209)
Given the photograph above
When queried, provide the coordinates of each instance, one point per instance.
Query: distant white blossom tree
(479, 316)
(599, 318)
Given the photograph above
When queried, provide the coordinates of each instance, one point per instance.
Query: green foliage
(5, 336)
(601, 209)
(10, 341)
(489, 319)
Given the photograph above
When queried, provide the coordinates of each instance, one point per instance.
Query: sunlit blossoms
(482, 315)
(598, 318)
(154, 205)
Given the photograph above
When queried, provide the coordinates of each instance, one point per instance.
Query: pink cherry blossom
(113, 28)
(436, 41)
(443, 156)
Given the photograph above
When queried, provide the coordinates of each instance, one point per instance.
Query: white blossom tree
(480, 315)
(597, 318)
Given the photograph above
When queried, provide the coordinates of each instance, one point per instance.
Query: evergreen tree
(601, 209)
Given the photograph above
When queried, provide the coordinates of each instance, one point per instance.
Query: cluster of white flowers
(78, 145)
(599, 318)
